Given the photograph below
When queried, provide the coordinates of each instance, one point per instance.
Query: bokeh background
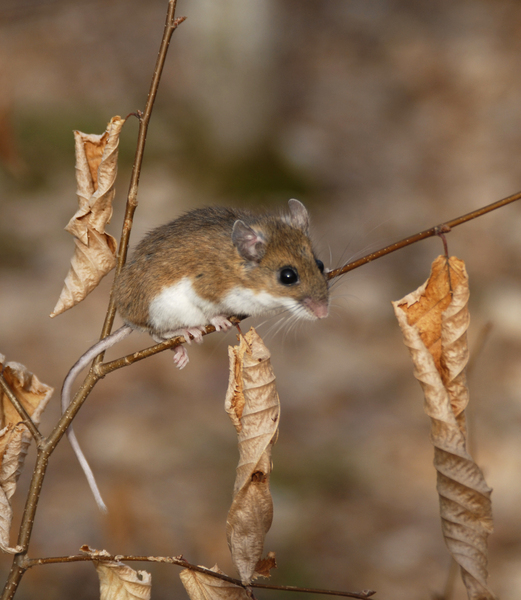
(385, 117)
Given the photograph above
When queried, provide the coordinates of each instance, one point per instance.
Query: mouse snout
(319, 308)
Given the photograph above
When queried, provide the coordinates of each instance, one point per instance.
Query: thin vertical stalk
(171, 25)
(47, 445)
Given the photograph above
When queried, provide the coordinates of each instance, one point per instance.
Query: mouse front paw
(221, 323)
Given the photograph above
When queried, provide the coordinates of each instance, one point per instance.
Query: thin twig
(105, 368)
(182, 562)
(26, 418)
(171, 25)
(443, 228)
(125, 361)
(293, 588)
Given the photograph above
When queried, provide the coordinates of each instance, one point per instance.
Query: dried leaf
(6, 517)
(118, 581)
(94, 256)
(434, 320)
(32, 393)
(15, 441)
(200, 586)
(14, 436)
(264, 566)
(253, 405)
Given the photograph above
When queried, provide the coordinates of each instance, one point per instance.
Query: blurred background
(385, 117)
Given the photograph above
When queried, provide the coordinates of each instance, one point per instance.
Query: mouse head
(279, 261)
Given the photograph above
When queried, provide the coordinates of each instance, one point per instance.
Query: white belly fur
(179, 306)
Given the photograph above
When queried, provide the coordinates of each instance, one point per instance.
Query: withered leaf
(119, 581)
(15, 445)
(253, 405)
(32, 393)
(200, 586)
(434, 321)
(94, 255)
(14, 436)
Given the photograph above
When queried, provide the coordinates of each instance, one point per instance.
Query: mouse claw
(181, 357)
(221, 323)
(195, 332)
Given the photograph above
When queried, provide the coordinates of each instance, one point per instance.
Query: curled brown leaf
(14, 436)
(253, 405)
(94, 255)
(434, 321)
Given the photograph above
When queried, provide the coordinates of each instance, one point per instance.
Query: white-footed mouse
(205, 266)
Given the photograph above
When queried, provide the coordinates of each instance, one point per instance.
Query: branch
(46, 446)
(182, 562)
(105, 368)
(125, 361)
(443, 228)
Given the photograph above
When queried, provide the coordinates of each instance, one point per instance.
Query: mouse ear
(250, 244)
(298, 215)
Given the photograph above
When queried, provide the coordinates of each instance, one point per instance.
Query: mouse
(215, 262)
(205, 266)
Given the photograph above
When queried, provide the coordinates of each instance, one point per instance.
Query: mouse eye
(288, 276)
(320, 265)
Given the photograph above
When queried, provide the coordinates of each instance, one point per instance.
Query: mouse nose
(319, 308)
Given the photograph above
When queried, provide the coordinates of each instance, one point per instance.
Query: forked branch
(47, 446)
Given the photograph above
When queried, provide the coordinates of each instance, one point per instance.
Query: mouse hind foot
(181, 357)
(220, 322)
(180, 353)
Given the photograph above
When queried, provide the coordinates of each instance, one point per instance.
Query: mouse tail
(91, 480)
(81, 364)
